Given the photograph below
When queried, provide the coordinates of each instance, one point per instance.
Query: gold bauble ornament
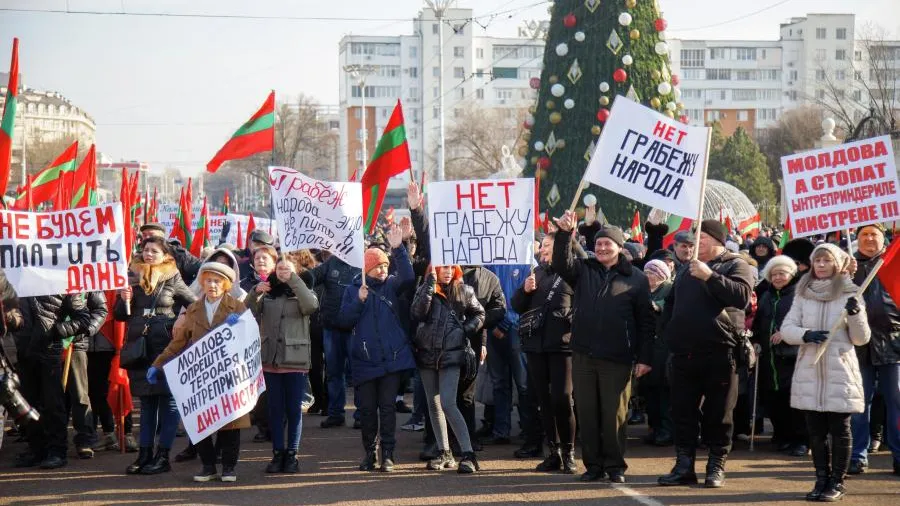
(635, 34)
(523, 151)
(526, 135)
(555, 118)
(534, 160)
(670, 114)
(655, 102)
(595, 129)
(532, 109)
(604, 100)
(655, 74)
(630, 3)
(541, 173)
(680, 105)
(553, 79)
(550, 104)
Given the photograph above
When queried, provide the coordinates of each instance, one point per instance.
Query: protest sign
(481, 222)
(841, 187)
(79, 250)
(219, 378)
(231, 222)
(318, 214)
(651, 158)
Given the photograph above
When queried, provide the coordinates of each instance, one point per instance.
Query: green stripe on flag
(370, 212)
(52, 173)
(9, 114)
(78, 194)
(389, 141)
(261, 123)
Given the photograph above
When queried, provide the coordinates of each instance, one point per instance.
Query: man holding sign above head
(612, 329)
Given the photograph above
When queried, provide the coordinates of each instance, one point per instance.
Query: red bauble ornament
(603, 115)
(620, 75)
(660, 24)
(543, 163)
(570, 20)
(684, 119)
(675, 80)
(535, 83)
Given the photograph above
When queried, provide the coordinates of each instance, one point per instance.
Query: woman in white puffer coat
(831, 389)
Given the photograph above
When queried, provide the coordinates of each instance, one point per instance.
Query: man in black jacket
(77, 387)
(612, 329)
(703, 316)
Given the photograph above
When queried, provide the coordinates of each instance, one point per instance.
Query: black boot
(530, 451)
(368, 463)
(159, 464)
(683, 472)
(553, 462)
(821, 461)
(277, 463)
(387, 460)
(567, 454)
(189, 453)
(840, 462)
(834, 491)
(145, 455)
(291, 464)
(715, 469)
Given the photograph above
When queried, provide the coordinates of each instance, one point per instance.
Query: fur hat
(781, 262)
(800, 250)
(220, 269)
(715, 229)
(659, 268)
(373, 258)
(612, 233)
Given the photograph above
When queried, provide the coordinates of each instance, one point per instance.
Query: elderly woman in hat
(829, 389)
(214, 308)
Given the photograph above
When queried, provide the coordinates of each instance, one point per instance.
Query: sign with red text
(219, 378)
(80, 250)
(318, 214)
(650, 158)
(481, 222)
(841, 187)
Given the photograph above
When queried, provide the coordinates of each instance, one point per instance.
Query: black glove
(815, 336)
(852, 306)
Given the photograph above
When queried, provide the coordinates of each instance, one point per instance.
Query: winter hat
(220, 269)
(685, 236)
(878, 226)
(263, 237)
(715, 229)
(659, 268)
(153, 226)
(612, 233)
(636, 250)
(375, 257)
(781, 262)
(800, 250)
(841, 258)
(732, 246)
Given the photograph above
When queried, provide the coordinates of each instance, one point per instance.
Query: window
(694, 114)
(414, 95)
(414, 72)
(743, 95)
(792, 95)
(745, 75)
(357, 113)
(769, 94)
(358, 155)
(840, 75)
(435, 50)
(857, 55)
(840, 34)
(377, 92)
(840, 54)
(479, 93)
(503, 93)
(505, 73)
(435, 29)
(457, 113)
(762, 54)
(743, 116)
(479, 72)
(459, 29)
(821, 33)
(414, 155)
(766, 114)
(435, 113)
(459, 72)
(712, 116)
(459, 52)
(384, 112)
(693, 74)
(857, 95)
(360, 132)
(435, 72)
(769, 75)
(460, 93)
(414, 114)
(792, 75)
(745, 54)
(716, 94)
(389, 71)
(840, 94)
(435, 92)
(372, 48)
(717, 53)
(479, 53)
(513, 52)
(820, 54)
(857, 75)
(692, 58)
(820, 75)
(820, 94)
(718, 74)
(413, 51)
(689, 93)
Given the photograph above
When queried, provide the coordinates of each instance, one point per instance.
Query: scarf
(279, 289)
(825, 290)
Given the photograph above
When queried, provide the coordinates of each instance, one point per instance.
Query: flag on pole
(890, 270)
(537, 201)
(201, 235)
(178, 230)
(391, 157)
(82, 179)
(7, 123)
(226, 203)
(251, 226)
(240, 237)
(636, 232)
(750, 226)
(676, 224)
(45, 185)
(786, 234)
(257, 135)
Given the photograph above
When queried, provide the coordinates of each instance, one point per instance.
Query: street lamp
(360, 73)
(440, 7)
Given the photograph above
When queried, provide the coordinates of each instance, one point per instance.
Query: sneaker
(857, 467)
(413, 426)
(107, 442)
(85, 453)
(229, 476)
(131, 444)
(743, 437)
(333, 421)
(208, 473)
(53, 462)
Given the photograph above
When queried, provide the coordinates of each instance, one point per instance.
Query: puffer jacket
(489, 294)
(440, 339)
(884, 318)
(97, 312)
(169, 291)
(834, 384)
(335, 275)
(283, 316)
(48, 320)
(188, 265)
(378, 344)
(777, 361)
(555, 335)
(612, 319)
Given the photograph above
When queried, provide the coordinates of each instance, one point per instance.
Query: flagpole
(121, 419)
(67, 366)
(702, 195)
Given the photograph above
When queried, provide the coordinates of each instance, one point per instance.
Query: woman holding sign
(216, 307)
(283, 305)
(155, 288)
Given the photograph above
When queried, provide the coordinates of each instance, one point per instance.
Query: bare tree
(476, 138)
(42, 151)
(796, 130)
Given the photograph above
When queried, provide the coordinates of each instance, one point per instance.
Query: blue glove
(232, 319)
(152, 373)
(815, 336)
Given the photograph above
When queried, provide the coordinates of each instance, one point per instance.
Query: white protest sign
(650, 158)
(481, 222)
(234, 220)
(219, 378)
(80, 250)
(841, 187)
(318, 214)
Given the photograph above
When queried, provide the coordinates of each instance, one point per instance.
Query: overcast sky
(169, 90)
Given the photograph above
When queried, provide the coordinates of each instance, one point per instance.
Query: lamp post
(440, 7)
(360, 73)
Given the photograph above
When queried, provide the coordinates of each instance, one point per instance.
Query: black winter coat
(777, 361)
(188, 265)
(490, 295)
(335, 275)
(440, 339)
(97, 312)
(170, 291)
(48, 320)
(702, 316)
(612, 318)
(556, 333)
(12, 314)
(883, 315)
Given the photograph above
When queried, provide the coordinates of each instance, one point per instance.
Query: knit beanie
(715, 229)
(612, 233)
(841, 258)
(659, 268)
(781, 262)
(375, 257)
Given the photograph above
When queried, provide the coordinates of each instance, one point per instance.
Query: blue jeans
(285, 404)
(337, 369)
(162, 412)
(889, 384)
(506, 365)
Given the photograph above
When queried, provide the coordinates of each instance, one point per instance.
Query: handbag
(469, 367)
(134, 354)
(532, 321)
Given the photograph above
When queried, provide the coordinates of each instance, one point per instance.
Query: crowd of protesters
(598, 333)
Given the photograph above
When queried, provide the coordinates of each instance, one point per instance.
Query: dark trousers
(377, 411)
(711, 378)
(506, 366)
(79, 401)
(602, 390)
(41, 378)
(317, 367)
(820, 425)
(98, 389)
(550, 377)
(659, 414)
(788, 424)
(227, 441)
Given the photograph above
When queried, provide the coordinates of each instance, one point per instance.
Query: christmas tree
(596, 50)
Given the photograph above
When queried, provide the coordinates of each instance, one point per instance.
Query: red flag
(7, 121)
(537, 201)
(676, 224)
(118, 377)
(546, 224)
(83, 177)
(28, 204)
(391, 157)
(239, 243)
(251, 226)
(153, 212)
(729, 225)
(45, 184)
(201, 235)
(636, 232)
(890, 271)
(59, 200)
(389, 217)
(126, 207)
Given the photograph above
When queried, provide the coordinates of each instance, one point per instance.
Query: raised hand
(395, 237)
(406, 227)
(413, 196)
(590, 215)
(567, 221)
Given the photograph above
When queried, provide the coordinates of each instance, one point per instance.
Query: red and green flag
(750, 226)
(201, 235)
(85, 180)
(179, 230)
(251, 226)
(538, 226)
(676, 224)
(9, 118)
(890, 270)
(391, 157)
(226, 203)
(786, 234)
(257, 135)
(637, 233)
(45, 185)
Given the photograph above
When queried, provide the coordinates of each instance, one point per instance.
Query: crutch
(757, 349)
